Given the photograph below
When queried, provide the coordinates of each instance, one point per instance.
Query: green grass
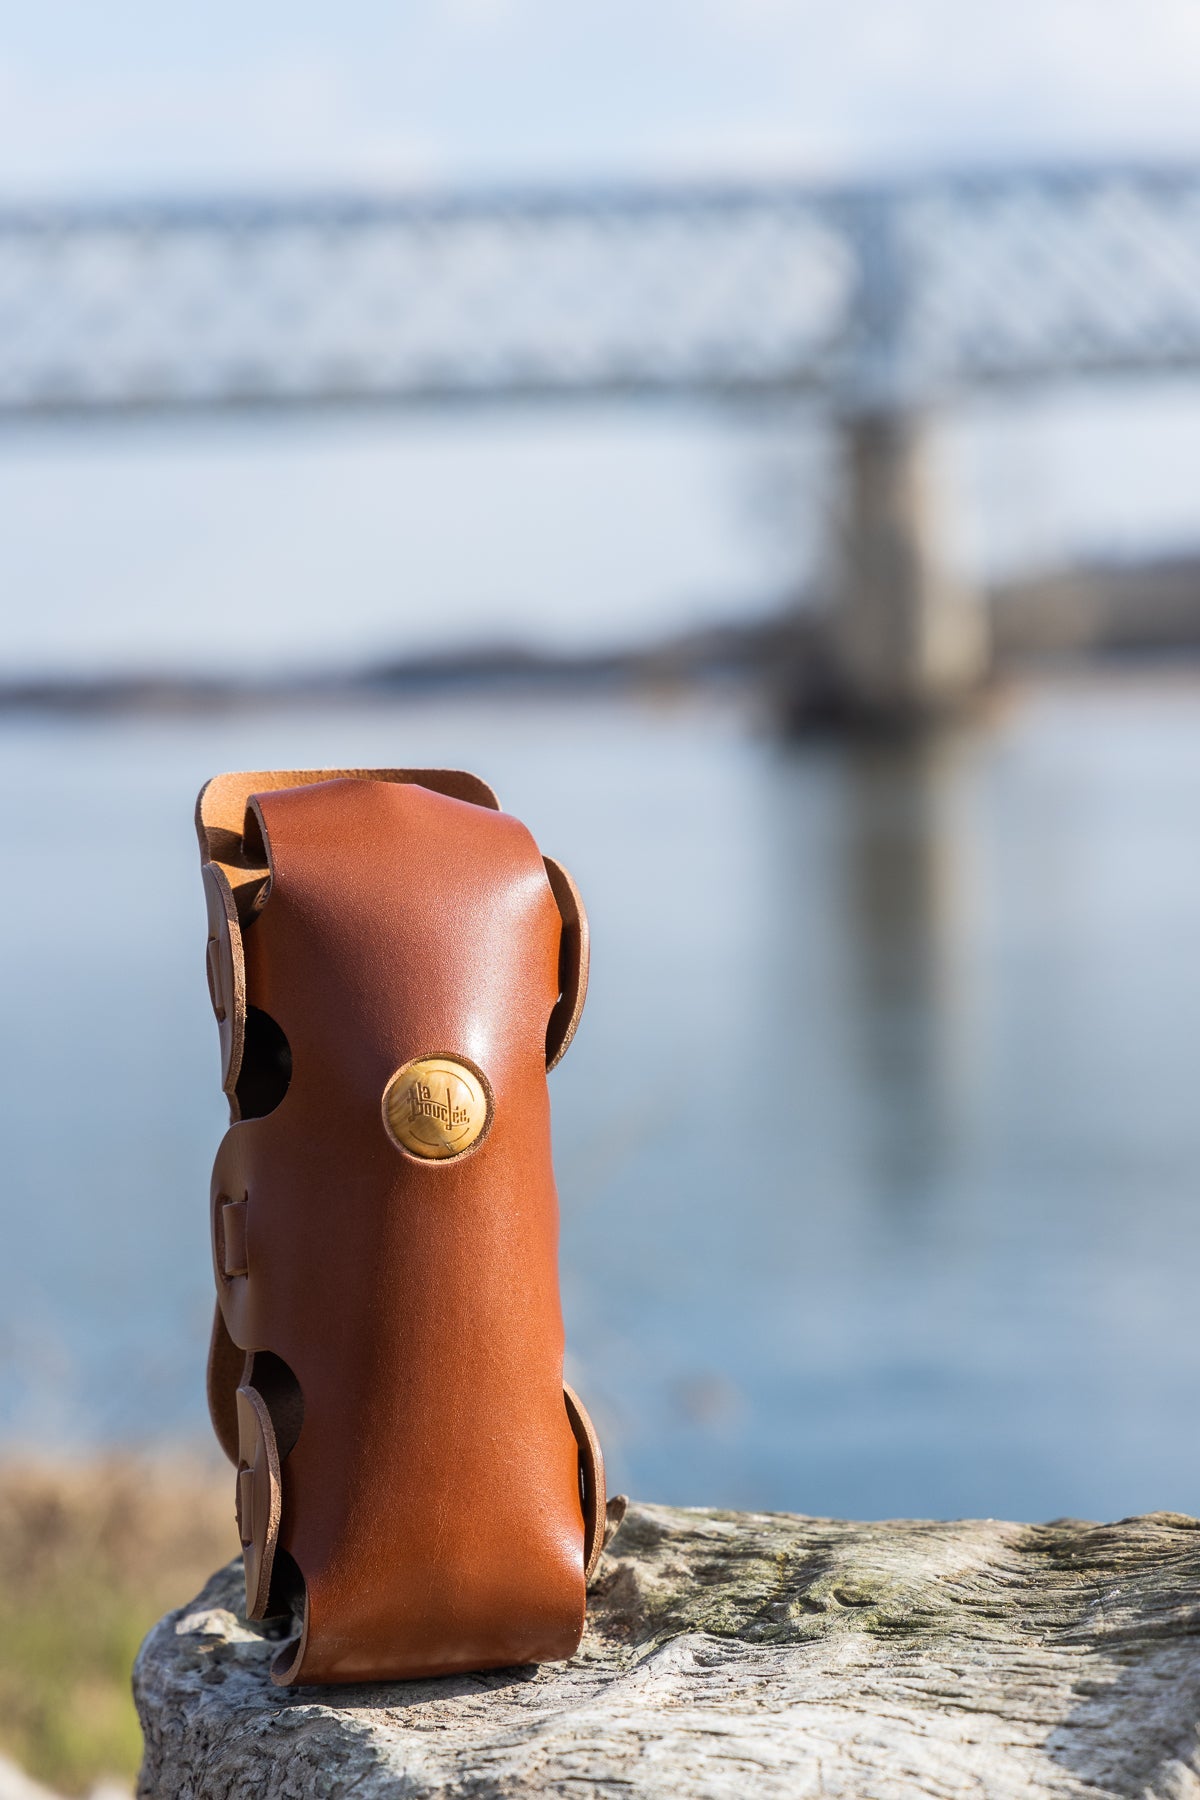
(90, 1555)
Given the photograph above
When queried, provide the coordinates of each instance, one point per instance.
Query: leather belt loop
(234, 1258)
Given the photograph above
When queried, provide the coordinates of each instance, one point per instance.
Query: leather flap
(591, 1480)
(573, 963)
(259, 1497)
(221, 809)
(226, 973)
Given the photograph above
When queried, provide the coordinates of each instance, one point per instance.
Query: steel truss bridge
(858, 297)
(872, 304)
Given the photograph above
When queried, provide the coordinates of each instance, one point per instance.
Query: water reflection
(878, 1146)
(905, 881)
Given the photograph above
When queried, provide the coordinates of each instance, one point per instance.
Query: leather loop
(233, 1238)
(573, 962)
(226, 975)
(221, 809)
(591, 1480)
(259, 1497)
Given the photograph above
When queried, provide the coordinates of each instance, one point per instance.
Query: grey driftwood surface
(738, 1655)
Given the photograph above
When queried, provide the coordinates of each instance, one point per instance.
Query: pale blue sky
(343, 540)
(141, 94)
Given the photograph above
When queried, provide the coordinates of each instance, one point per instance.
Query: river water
(879, 1146)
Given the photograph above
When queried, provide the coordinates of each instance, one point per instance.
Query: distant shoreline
(1110, 614)
(500, 669)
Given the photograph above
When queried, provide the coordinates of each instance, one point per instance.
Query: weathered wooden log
(735, 1656)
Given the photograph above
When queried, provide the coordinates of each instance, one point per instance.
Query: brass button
(436, 1107)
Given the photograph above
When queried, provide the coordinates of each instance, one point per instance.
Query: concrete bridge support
(909, 639)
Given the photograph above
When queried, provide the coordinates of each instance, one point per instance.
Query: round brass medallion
(435, 1107)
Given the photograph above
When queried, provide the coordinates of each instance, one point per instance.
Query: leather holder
(415, 1484)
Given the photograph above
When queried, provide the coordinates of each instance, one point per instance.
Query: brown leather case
(414, 1482)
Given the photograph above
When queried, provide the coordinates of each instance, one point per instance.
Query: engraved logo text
(436, 1107)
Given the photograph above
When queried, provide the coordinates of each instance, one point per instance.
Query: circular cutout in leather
(436, 1107)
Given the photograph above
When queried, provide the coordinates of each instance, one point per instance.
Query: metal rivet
(436, 1107)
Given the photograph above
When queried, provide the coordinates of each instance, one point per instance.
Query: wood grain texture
(731, 1656)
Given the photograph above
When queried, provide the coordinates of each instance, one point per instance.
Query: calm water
(879, 1147)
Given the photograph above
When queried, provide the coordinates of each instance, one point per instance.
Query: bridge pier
(908, 638)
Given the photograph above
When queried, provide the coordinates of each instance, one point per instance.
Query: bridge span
(873, 304)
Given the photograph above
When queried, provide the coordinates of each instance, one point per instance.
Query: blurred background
(763, 442)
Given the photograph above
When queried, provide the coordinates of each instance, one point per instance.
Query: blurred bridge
(872, 303)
